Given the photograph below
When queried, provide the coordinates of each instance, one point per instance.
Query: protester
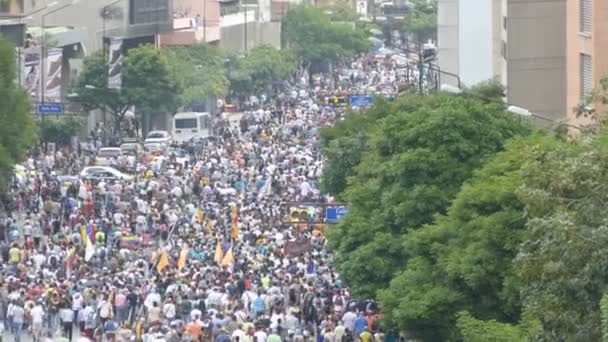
(216, 245)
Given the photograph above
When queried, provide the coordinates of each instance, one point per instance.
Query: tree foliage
(60, 130)
(474, 330)
(422, 20)
(464, 260)
(17, 127)
(414, 162)
(200, 72)
(564, 260)
(259, 69)
(147, 84)
(148, 81)
(315, 39)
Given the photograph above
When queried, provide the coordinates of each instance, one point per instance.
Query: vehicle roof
(187, 115)
(110, 149)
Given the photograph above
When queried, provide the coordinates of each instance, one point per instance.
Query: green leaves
(199, 71)
(316, 39)
(17, 127)
(148, 82)
(399, 165)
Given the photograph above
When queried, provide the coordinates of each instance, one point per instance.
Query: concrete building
(586, 51)
(536, 56)
(521, 43)
(471, 40)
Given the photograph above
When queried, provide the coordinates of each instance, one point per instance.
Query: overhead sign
(335, 214)
(148, 11)
(361, 100)
(50, 108)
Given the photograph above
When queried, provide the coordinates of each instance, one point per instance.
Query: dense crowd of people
(201, 249)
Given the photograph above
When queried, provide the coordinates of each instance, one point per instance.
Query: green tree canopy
(563, 262)
(315, 39)
(414, 162)
(17, 126)
(199, 70)
(422, 20)
(147, 84)
(464, 260)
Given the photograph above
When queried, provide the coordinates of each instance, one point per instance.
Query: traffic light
(298, 215)
(337, 101)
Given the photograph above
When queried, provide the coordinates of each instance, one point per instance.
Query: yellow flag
(209, 226)
(200, 215)
(163, 262)
(83, 235)
(234, 231)
(183, 257)
(228, 258)
(219, 253)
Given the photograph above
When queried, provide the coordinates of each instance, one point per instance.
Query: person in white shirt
(238, 335)
(169, 310)
(260, 335)
(37, 315)
(67, 320)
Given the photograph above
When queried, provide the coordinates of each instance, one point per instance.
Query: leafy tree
(268, 65)
(563, 262)
(17, 127)
(200, 72)
(315, 39)
(343, 145)
(341, 10)
(474, 330)
(259, 69)
(422, 20)
(464, 260)
(60, 130)
(93, 93)
(147, 84)
(415, 160)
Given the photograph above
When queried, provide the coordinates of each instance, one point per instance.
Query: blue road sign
(50, 108)
(334, 214)
(361, 100)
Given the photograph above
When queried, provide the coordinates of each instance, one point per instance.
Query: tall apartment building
(586, 50)
(541, 49)
(471, 40)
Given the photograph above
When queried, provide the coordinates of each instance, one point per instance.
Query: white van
(189, 125)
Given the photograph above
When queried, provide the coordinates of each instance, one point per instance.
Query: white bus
(191, 125)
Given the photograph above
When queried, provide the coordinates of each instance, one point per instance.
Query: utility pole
(245, 26)
(205, 20)
(420, 69)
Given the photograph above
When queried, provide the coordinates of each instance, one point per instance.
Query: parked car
(162, 137)
(107, 156)
(132, 147)
(103, 173)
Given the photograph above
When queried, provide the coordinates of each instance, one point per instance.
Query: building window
(586, 75)
(503, 49)
(504, 22)
(586, 16)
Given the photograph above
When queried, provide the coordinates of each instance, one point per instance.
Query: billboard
(149, 11)
(115, 64)
(54, 61)
(31, 74)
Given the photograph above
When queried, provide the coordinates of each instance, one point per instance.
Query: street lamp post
(43, 48)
